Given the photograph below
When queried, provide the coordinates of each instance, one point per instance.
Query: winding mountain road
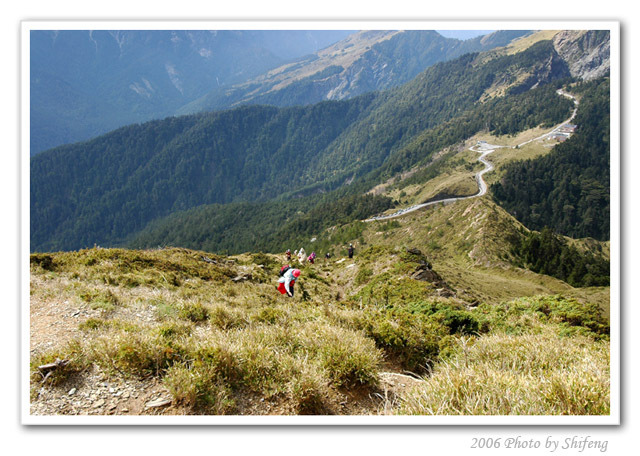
(484, 149)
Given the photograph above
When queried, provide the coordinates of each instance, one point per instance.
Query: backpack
(284, 269)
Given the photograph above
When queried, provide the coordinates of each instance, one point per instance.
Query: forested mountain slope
(105, 190)
(86, 82)
(569, 189)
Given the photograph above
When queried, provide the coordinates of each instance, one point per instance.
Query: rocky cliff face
(586, 52)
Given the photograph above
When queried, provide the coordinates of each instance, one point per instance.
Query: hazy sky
(463, 34)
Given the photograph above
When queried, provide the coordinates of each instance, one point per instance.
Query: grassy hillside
(429, 317)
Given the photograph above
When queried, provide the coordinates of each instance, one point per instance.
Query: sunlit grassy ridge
(216, 335)
(531, 374)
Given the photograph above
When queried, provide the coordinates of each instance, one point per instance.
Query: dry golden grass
(219, 346)
(531, 374)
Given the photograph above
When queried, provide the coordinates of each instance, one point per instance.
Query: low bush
(412, 341)
(525, 315)
(200, 389)
(363, 275)
(194, 312)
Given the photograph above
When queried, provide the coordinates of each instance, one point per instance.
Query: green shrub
(412, 340)
(173, 330)
(309, 393)
(454, 316)
(525, 315)
(269, 314)
(93, 324)
(390, 225)
(363, 275)
(43, 260)
(225, 318)
(458, 322)
(194, 312)
(199, 388)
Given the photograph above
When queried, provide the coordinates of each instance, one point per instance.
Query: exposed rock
(445, 293)
(427, 275)
(424, 272)
(421, 258)
(158, 403)
(586, 52)
(242, 278)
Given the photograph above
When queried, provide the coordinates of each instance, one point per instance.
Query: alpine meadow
(341, 222)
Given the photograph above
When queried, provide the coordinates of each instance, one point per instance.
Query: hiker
(287, 280)
(302, 255)
(327, 257)
(288, 254)
(350, 250)
(312, 258)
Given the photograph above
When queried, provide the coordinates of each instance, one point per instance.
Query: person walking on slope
(312, 258)
(288, 280)
(350, 250)
(302, 255)
(288, 254)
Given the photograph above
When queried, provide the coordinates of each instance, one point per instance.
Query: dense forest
(548, 253)
(568, 189)
(105, 190)
(269, 227)
(504, 115)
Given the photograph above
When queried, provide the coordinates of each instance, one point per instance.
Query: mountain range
(106, 190)
(363, 62)
(87, 82)
(84, 83)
